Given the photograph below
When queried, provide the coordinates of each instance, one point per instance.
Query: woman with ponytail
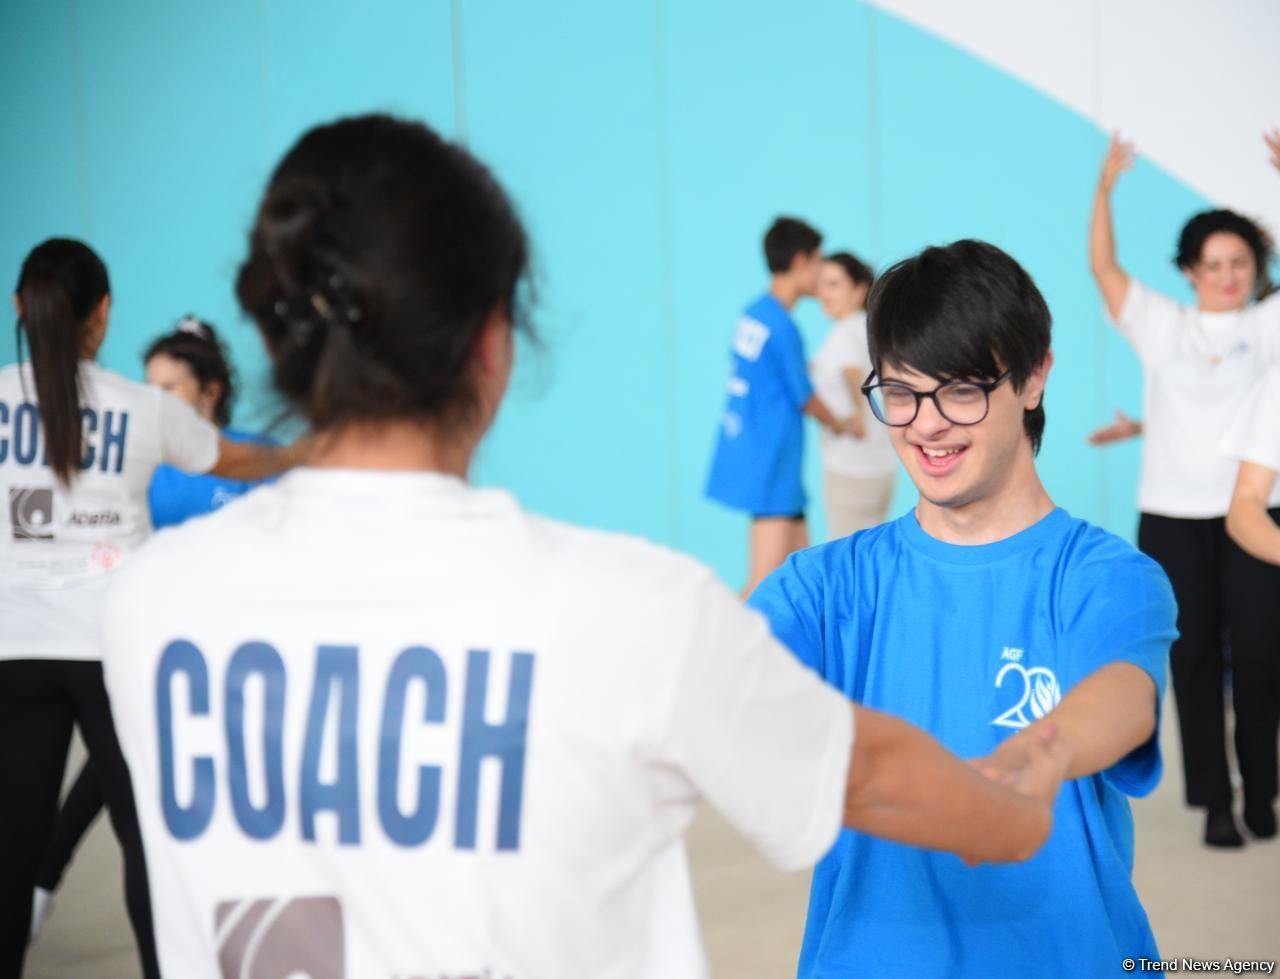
(78, 447)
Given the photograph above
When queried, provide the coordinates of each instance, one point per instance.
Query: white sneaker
(41, 906)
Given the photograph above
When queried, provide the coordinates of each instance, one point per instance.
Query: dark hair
(1206, 223)
(61, 283)
(965, 310)
(856, 269)
(378, 253)
(195, 343)
(787, 238)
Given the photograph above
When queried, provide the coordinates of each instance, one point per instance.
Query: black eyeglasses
(959, 402)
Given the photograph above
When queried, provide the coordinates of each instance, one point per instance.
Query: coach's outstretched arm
(249, 462)
(1106, 715)
(905, 786)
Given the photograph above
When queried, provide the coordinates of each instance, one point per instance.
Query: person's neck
(784, 289)
(394, 446)
(1019, 504)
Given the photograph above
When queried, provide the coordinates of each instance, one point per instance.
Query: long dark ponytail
(60, 284)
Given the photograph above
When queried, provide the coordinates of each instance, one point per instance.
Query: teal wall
(648, 145)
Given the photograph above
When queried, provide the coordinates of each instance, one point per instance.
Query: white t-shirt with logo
(845, 347)
(58, 544)
(388, 725)
(1254, 435)
(1198, 368)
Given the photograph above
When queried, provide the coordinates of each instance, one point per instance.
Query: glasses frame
(986, 387)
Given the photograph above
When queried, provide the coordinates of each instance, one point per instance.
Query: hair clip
(189, 324)
(321, 305)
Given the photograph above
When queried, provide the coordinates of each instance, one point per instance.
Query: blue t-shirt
(175, 496)
(972, 644)
(756, 466)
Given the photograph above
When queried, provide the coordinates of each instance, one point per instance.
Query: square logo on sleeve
(271, 937)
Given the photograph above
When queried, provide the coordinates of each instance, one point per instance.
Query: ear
(17, 305)
(493, 350)
(102, 312)
(211, 393)
(1034, 388)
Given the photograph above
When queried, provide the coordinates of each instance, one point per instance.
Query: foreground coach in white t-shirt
(385, 724)
(78, 446)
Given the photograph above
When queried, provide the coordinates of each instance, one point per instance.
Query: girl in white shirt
(78, 445)
(858, 466)
(383, 723)
(1198, 364)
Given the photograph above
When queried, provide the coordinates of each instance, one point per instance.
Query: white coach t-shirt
(845, 347)
(1198, 368)
(58, 544)
(1254, 436)
(387, 725)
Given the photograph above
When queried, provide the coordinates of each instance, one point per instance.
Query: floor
(1202, 903)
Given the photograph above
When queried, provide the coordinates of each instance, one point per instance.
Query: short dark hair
(378, 253)
(1201, 226)
(856, 269)
(964, 310)
(195, 343)
(61, 282)
(787, 238)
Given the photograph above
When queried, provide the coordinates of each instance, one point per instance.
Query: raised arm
(1248, 522)
(249, 462)
(1113, 281)
(905, 786)
(1106, 715)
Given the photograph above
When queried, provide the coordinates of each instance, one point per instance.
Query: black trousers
(79, 809)
(40, 702)
(1228, 605)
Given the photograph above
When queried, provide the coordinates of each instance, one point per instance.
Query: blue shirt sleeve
(1123, 611)
(791, 600)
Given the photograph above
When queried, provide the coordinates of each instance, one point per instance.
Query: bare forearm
(1251, 526)
(1104, 717)
(905, 786)
(249, 463)
(817, 409)
(1112, 281)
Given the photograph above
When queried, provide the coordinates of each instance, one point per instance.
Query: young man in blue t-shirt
(975, 616)
(760, 446)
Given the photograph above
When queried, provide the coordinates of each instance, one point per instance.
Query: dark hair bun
(378, 253)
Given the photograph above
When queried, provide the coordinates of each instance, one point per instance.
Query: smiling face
(1225, 274)
(840, 295)
(954, 465)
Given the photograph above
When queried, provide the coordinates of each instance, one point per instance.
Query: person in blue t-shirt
(982, 616)
(760, 447)
(189, 362)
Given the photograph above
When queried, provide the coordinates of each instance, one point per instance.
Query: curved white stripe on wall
(1194, 83)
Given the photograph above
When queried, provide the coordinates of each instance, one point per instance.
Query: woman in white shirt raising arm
(1198, 364)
